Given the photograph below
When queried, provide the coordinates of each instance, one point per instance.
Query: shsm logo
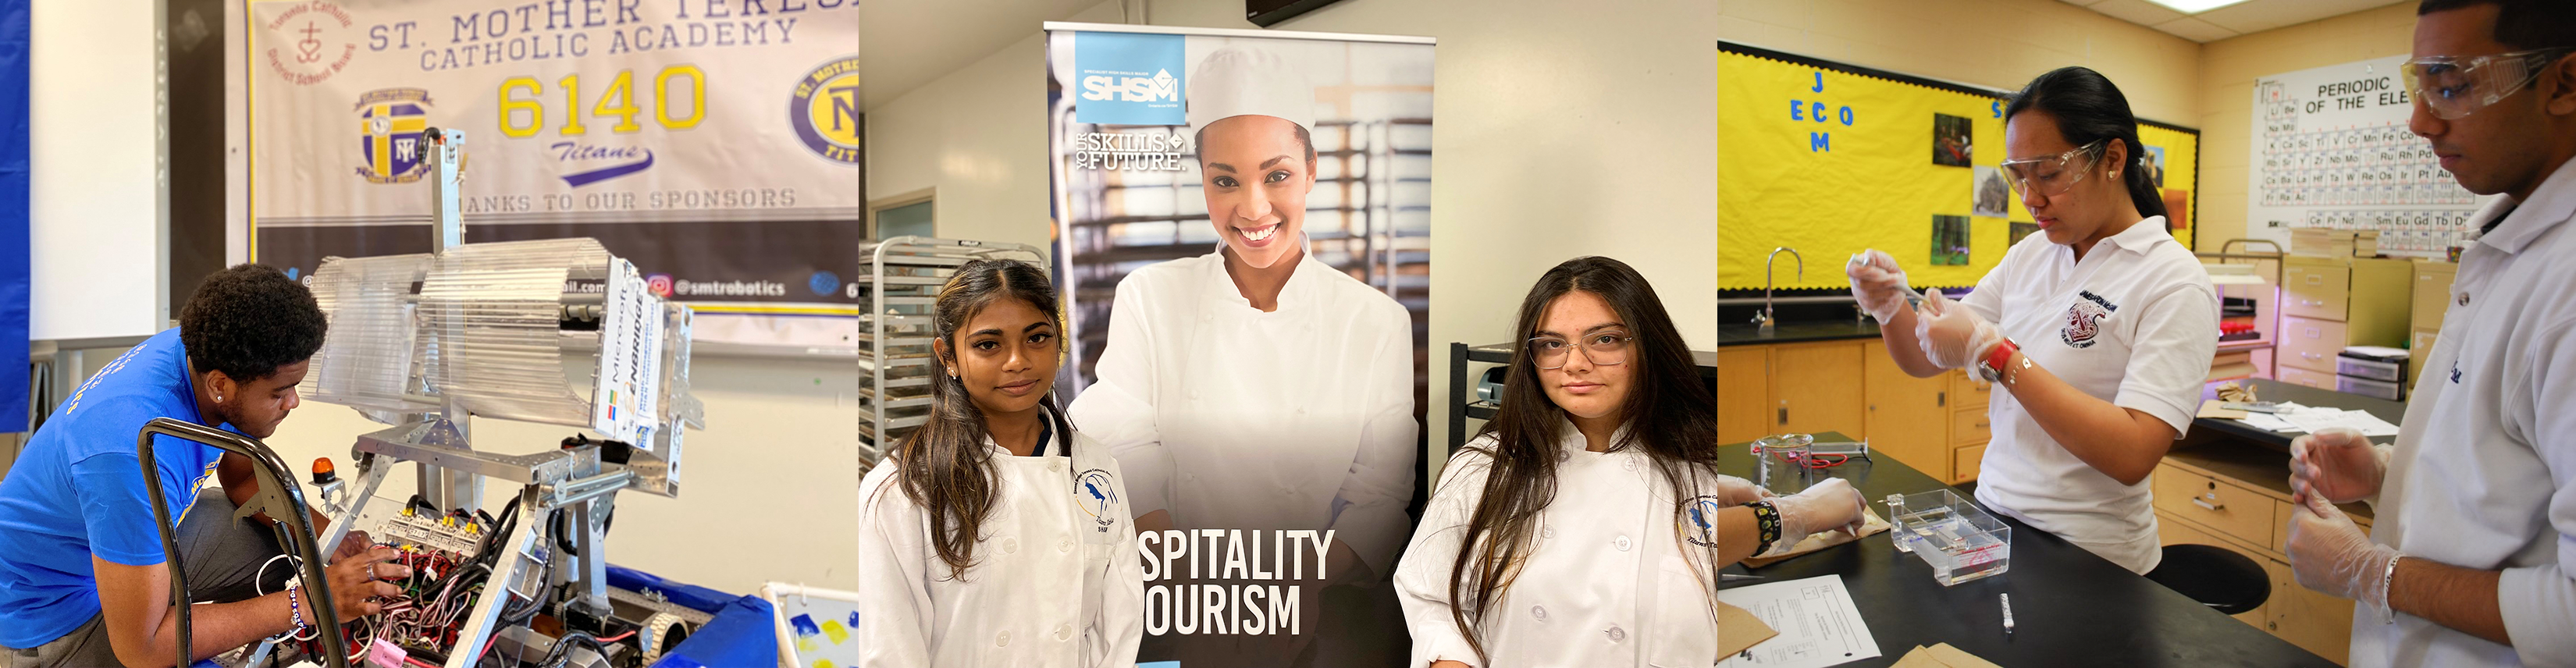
(825, 110)
(1129, 78)
(389, 127)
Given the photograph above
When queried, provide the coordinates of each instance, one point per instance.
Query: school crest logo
(390, 122)
(2084, 319)
(1095, 494)
(319, 39)
(1697, 521)
(825, 110)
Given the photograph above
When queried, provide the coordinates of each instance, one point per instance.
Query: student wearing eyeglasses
(2469, 561)
(2098, 331)
(1585, 524)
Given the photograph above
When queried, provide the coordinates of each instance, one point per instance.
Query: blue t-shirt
(77, 490)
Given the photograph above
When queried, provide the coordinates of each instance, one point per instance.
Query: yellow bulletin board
(1830, 159)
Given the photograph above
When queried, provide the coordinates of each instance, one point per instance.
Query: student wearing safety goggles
(2471, 557)
(2097, 331)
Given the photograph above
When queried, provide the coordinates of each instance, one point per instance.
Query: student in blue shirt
(83, 579)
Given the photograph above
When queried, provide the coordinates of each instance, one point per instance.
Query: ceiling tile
(2195, 29)
(2082, 3)
(2139, 12)
(2261, 15)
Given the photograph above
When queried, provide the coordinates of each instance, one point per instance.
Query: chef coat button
(1622, 542)
(1539, 612)
(1064, 545)
(2464, 299)
(1011, 545)
(1562, 455)
(1616, 634)
(1547, 532)
(1002, 640)
(1631, 464)
(1056, 465)
(1063, 632)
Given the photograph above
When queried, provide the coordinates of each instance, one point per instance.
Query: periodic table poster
(2331, 150)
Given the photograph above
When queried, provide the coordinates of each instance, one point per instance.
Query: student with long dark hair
(1580, 527)
(996, 535)
(2099, 330)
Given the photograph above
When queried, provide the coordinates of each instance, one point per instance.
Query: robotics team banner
(1269, 435)
(1798, 138)
(713, 142)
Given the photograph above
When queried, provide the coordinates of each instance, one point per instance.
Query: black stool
(2217, 577)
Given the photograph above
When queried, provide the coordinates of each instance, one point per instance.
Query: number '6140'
(523, 107)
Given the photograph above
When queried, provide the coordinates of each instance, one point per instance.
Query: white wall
(95, 230)
(1561, 129)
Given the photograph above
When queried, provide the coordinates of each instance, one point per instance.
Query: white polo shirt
(2135, 324)
(2484, 474)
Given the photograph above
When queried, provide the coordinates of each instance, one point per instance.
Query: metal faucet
(1767, 316)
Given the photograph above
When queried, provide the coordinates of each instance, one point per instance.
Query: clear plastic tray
(1959, 540)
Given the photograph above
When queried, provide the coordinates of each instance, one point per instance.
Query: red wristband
(2000, 356)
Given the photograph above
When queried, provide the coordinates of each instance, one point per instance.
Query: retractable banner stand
(14, 259)
(713, 143)
(1242, 225)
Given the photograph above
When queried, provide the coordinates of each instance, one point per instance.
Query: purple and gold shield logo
(390, 122)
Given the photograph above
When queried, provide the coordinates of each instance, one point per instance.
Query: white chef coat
(1232, 418)
(2484, 472)
(1605, 582)
(1056, 581)
(2135, 323)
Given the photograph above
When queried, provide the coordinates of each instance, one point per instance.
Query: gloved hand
(1877, 283)
(2338, 464)
(1827, 505)
(2330, 554)
(1734, 491)
(1952, 336)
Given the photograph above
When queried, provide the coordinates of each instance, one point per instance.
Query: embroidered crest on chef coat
(2084, 319)
(1093, 493)
(1698, 521)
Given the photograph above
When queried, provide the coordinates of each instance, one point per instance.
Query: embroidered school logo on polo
(2083, 320)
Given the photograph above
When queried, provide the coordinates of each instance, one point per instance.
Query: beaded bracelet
(295, 611)
(1766, 519)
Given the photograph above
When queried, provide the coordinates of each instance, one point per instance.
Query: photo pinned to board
(2019, 230)
(1993, 197)
(1953, 140)
(1950, 240)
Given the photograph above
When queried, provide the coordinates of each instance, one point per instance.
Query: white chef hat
(1240, 81)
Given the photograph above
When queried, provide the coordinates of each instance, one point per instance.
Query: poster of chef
(1242, 226)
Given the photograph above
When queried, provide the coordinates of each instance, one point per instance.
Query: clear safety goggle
(2051, 175)
(2453, 86)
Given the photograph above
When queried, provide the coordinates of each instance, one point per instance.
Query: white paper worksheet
(1817, 622)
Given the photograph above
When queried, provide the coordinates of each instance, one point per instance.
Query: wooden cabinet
(1936, 425)
(2199, 507)
(2328, 303)
(1898, 407)
(1817, 387)
(2432, 293)
(1743, 393)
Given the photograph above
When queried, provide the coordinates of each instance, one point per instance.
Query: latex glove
(2330, 554)
(1952, 336)
(2338, 464)
(1734, 491)
(1828, 505)
(1877, 283)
